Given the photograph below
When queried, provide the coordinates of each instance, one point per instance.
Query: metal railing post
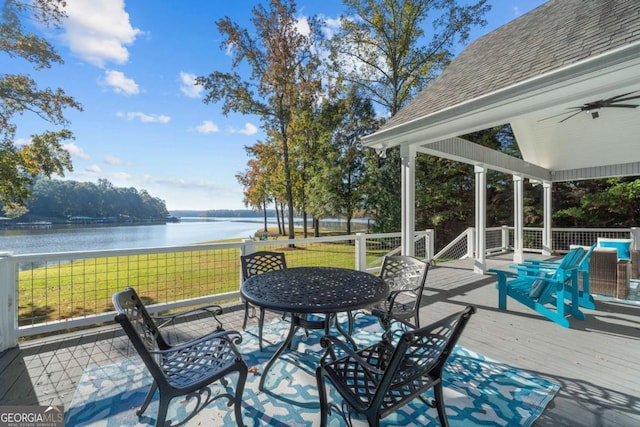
(8, 310)
(430, 243)
(505, 237)
(635, 236)
(471, 242)
(361, 252)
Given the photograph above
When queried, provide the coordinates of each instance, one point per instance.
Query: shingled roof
(554, 35)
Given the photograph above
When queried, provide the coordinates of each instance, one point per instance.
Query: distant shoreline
(233, 213)
(228, 213)
(248, 216)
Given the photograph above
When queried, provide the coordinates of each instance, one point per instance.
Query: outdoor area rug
(478, 390)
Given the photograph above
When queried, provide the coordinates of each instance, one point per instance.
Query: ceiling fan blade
(626, 99)
(622, 97)
(560, 114)
(621, 106)
(567, 118)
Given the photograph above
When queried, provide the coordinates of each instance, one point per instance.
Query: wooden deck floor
(596, 361)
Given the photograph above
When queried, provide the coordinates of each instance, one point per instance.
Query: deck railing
(45, 293)
(500, 239)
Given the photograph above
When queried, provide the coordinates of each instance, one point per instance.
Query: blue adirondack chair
(585, 298)
(544, 289)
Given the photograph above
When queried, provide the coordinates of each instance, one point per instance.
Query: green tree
(63, 199)
(347, 171)
(19, 94)
(281, 59)
(613, 202)
(381, 48)
(49, 198)
(255, 180)
(444, 196)
(307, 152)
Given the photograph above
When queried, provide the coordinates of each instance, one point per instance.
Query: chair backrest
(422, 351)
(261, 262)
(404, 273)
(563, 271)
(583, 264)
(540, 289)
(572, 258)
(128, 303)
(140, 328)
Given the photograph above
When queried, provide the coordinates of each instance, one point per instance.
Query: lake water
(85, 238)
(89, 238)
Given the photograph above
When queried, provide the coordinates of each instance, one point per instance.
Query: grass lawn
(84, 287)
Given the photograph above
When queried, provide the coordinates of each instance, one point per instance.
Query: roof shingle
(554, 35)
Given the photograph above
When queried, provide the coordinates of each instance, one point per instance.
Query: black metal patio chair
(406, 277)
(183, 369)
(379, 379)
(258, 263)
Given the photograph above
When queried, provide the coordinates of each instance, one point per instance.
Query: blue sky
(144, 125)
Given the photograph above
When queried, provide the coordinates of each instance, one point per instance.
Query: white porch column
(408, 171)
(480, 264)
(518, 218)
(547, 236)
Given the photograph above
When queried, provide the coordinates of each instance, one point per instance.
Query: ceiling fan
(593, 107)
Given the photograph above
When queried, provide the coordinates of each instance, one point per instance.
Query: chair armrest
(502, 272)
(503, 275)
(385, 320)
(635, 264)
(541, 269)
(540, 262)
(232, 337)
(623, 277)
(212, 310)
(394, 294)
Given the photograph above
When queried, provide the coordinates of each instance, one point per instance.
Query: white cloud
(93, 169)
(302, 25)
(123, 176)
(19, 142)
(207, 127)
(331, 26)
(188, 86)
(144, 118)
(112, 160)
(99, 30)
(248, 129)
(229, 49)
(75, 151)
(120, 83)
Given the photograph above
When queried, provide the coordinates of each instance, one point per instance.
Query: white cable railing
(500, 239)
(46, 293)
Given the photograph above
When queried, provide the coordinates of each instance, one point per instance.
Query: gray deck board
(596, 361)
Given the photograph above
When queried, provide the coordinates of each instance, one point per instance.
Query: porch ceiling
(556, 139)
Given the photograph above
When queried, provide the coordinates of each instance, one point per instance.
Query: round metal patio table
(305, 290)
